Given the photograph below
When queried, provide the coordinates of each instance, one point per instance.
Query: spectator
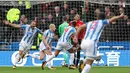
(68, 17)
(23, 19)
(57, 17)
(121, 10)
(72, 14)
(48, 21)
(122, 25)
(42, 23)
(65, 9)
(84, 15)
(44, 7)
(108, 13)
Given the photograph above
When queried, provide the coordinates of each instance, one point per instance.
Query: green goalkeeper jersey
(62, 27)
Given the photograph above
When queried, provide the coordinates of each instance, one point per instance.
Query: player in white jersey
(45, 45)
(63, 43)
(30, 32)
(92, 35)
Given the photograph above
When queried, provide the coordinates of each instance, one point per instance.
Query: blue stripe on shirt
(25, 37)
(27, 34)
(32, 38)
(88, 32)
(67, 38)
(47, 35)
(29, 37)
(99, 33)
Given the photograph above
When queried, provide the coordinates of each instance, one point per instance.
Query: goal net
(114, 42)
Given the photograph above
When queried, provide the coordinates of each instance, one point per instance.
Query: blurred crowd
(54, 12)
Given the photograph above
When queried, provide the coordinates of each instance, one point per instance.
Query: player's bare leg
(42, 55)
(53, 56)
(26, 54)
(17, 58)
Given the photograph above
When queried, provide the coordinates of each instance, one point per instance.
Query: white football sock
(85, 61)
(17, 59)
(71, 58)
(50, 58)
(86, 68)
(49, 63)
(34, 56)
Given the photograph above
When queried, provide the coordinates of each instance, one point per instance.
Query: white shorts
(90, 48)
(24, 47)
(42, 47)
(63, 45)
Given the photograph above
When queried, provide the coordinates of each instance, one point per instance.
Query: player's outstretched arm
(11, 24)
(78, 31)
(116, 17)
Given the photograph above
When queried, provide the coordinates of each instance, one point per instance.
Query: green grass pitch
(64, 70)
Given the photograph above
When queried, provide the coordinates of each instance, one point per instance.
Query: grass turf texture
(64, 70)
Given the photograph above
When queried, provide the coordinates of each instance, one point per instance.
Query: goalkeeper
(61, 30)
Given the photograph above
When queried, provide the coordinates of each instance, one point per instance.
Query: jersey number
(94, 23)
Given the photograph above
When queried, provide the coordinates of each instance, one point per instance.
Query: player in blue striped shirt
(45, 45)
(92, 35)
(25, 45)
(63, 43)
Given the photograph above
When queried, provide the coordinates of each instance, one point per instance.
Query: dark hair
(73, 23)
(33, 18)
(36, 19)
(65, 18)
(102, 16)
